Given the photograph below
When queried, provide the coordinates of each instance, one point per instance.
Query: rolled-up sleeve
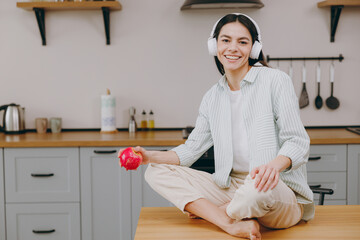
(293, 138)
(199, 140)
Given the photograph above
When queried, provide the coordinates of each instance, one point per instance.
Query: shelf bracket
(106, 14)
(335, 15)
(40, 17)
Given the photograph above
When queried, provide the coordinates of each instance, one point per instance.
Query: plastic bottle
(151, 121)
(144, 124)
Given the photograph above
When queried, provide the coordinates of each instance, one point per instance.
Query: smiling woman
(251, 118)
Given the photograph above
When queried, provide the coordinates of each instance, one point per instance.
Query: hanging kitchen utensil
(318, 99)
(304, 97)
(332, 102)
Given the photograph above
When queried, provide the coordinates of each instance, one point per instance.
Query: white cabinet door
(42, 174)
(43, 221)
(353, 174)
(2, 198)
(105, 195)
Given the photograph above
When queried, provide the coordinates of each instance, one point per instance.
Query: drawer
(43, 221)
(327, 158)
(334, 180)
(42, 175)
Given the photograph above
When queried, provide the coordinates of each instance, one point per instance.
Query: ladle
(318, 99)
(332, 102)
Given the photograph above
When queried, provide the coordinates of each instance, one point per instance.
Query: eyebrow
(224, 35)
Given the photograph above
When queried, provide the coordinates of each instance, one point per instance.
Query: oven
(206, 161)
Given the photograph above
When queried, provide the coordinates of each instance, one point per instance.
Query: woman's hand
(145, 154)
(267, 175)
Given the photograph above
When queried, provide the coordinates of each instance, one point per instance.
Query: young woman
(251, 117)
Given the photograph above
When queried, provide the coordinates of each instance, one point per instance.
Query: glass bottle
(143, 120)
(151, 121)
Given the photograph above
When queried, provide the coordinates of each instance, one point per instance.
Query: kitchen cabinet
(105, 195)
(51, 221)
(353, 174)
(40, 7)
(327, 167)
(113, 195)
(2, 197)
(42, 193)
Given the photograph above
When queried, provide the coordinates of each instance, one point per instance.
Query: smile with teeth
(232, 57)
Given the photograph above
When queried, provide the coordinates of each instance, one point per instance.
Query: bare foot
(245, 228)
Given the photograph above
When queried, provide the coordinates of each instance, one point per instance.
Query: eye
(225, 40)
(243, 42)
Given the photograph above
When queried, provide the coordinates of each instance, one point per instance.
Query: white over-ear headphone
(256, 48)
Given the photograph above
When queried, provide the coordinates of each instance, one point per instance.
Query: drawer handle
(42, 175)
(104, 152)
(315, 186)
(43, 231)
(314, 158)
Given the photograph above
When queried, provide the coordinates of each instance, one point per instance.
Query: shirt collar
(249, 77)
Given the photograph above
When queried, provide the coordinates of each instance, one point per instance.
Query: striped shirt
(272, 119)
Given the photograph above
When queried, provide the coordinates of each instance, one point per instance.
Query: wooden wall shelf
(336, 7)
(88, 5)
(40, 7)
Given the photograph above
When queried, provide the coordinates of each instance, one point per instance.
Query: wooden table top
(144, 138)
(169, 223)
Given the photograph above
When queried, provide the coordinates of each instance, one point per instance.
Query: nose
(233, 46)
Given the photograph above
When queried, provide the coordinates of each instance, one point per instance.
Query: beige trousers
(276, 208)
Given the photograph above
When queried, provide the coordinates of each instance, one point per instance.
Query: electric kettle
(13, 119)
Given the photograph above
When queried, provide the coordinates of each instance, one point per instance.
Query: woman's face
(234, 46)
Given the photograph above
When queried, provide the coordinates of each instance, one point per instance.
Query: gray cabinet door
(50, 221)
(41, 175)
(353, 174)
(2, 197)
(327, 167)
(142, 194)
(105, 195)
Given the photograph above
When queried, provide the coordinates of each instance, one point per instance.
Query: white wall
(158, 60)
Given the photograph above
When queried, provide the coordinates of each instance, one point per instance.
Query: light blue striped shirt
(272, 119)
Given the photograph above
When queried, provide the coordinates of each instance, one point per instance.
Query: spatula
(332, 102)
(304, 97)
(318, 99)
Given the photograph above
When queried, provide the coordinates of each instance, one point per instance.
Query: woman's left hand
(267, 175)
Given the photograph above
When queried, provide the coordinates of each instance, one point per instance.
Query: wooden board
(86, 5)
(330, 222)
(328, 3)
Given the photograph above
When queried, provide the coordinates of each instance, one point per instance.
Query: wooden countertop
(330, 222)
(92, 139)
(149, 138)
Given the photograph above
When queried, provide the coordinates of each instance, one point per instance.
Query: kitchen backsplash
(158, 60)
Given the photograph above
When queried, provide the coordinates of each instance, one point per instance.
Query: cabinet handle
(315, 186)
(314, 158)
(104, 151)
(42, 175)
(43, 231)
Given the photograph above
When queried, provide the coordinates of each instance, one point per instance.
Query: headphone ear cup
(256, 49)
(212, 46)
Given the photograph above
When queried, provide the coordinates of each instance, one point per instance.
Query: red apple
(129, 159)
